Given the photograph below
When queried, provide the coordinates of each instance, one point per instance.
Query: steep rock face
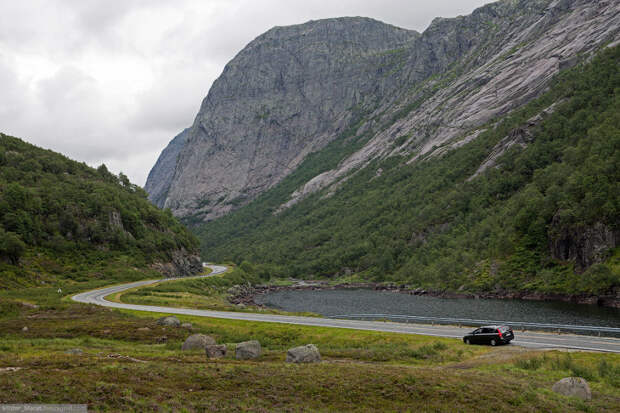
(288, 93)
(182, 264)
(584, 246)
(510, 50)
(295, 89)
(160, 177)
(520, 136)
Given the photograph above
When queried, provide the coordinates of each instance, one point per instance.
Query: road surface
(526, 339)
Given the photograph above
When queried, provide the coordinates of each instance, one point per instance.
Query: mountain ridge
(467, 58)
(541, 221)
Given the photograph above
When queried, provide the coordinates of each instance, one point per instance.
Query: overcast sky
(113, 81)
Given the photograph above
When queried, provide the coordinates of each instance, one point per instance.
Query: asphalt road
(529, 339)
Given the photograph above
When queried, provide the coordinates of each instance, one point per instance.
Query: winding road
(525, 339)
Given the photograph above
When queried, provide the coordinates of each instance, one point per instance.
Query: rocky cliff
(285, 95)
(160, 177)
(295, 89)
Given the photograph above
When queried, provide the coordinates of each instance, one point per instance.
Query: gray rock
(75, 351)
(25, 329)
(187, 326)
(583, 245)
(216, 351)
(29, 305)
(248, 350)
(573, 386)
(183, 264)
(295, 89)
(521, 136)
(303, 354)
(169, 321)
(197, 342)
(286, 94)
(160, 177)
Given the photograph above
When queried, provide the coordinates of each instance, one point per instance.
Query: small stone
(75, 351)
(303, 354)
(144, 329)
(25, 329)
(187, 326)
(161, 339)
(215, 351)
(197, 342)
(573, 386)
(248, 350)
(29, 305)
(106, 331)
(170, 321)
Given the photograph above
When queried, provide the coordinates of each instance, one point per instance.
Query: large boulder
(215, 351)
(303, 354)
(248, 350)
(170, 321)
(197, 342)
(573, 386)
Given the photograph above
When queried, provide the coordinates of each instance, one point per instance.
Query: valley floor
(130, 363)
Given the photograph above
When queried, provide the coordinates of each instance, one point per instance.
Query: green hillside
(60, 219)
(521, 226)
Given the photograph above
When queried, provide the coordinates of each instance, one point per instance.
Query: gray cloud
(113, 81)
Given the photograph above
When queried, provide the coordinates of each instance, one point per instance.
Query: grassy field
(129, 363)
(200, 293)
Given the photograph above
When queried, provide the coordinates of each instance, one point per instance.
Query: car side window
(487, 330)
(478, 331)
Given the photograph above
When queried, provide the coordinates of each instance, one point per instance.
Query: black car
(492, 335)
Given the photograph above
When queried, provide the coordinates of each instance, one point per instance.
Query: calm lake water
(338, 302)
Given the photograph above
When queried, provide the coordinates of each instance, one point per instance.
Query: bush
(11, 246)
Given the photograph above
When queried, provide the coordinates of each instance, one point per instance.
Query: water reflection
(333, 302)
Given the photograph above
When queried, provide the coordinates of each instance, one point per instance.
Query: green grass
(132, 364)
(127, 368)
(199, 293)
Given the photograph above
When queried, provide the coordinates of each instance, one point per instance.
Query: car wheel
(467, 341)
(493, 342)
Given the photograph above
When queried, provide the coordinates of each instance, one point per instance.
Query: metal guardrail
(517, 325)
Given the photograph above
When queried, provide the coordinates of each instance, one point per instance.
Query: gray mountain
(391, 91)
(285, 95)
(160, 177)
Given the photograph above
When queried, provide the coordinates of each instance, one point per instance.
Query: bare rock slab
(303, 354)
(215, 351)
(573, 386)
(197, 342)
(169, 321)
(248, 350)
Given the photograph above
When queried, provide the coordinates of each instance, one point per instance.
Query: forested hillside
(531, 204)
(62, 219)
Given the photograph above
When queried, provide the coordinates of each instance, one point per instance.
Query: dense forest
(62, 216)
(545, 218)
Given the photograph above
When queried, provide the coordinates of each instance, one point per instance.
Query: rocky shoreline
(246, 294)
